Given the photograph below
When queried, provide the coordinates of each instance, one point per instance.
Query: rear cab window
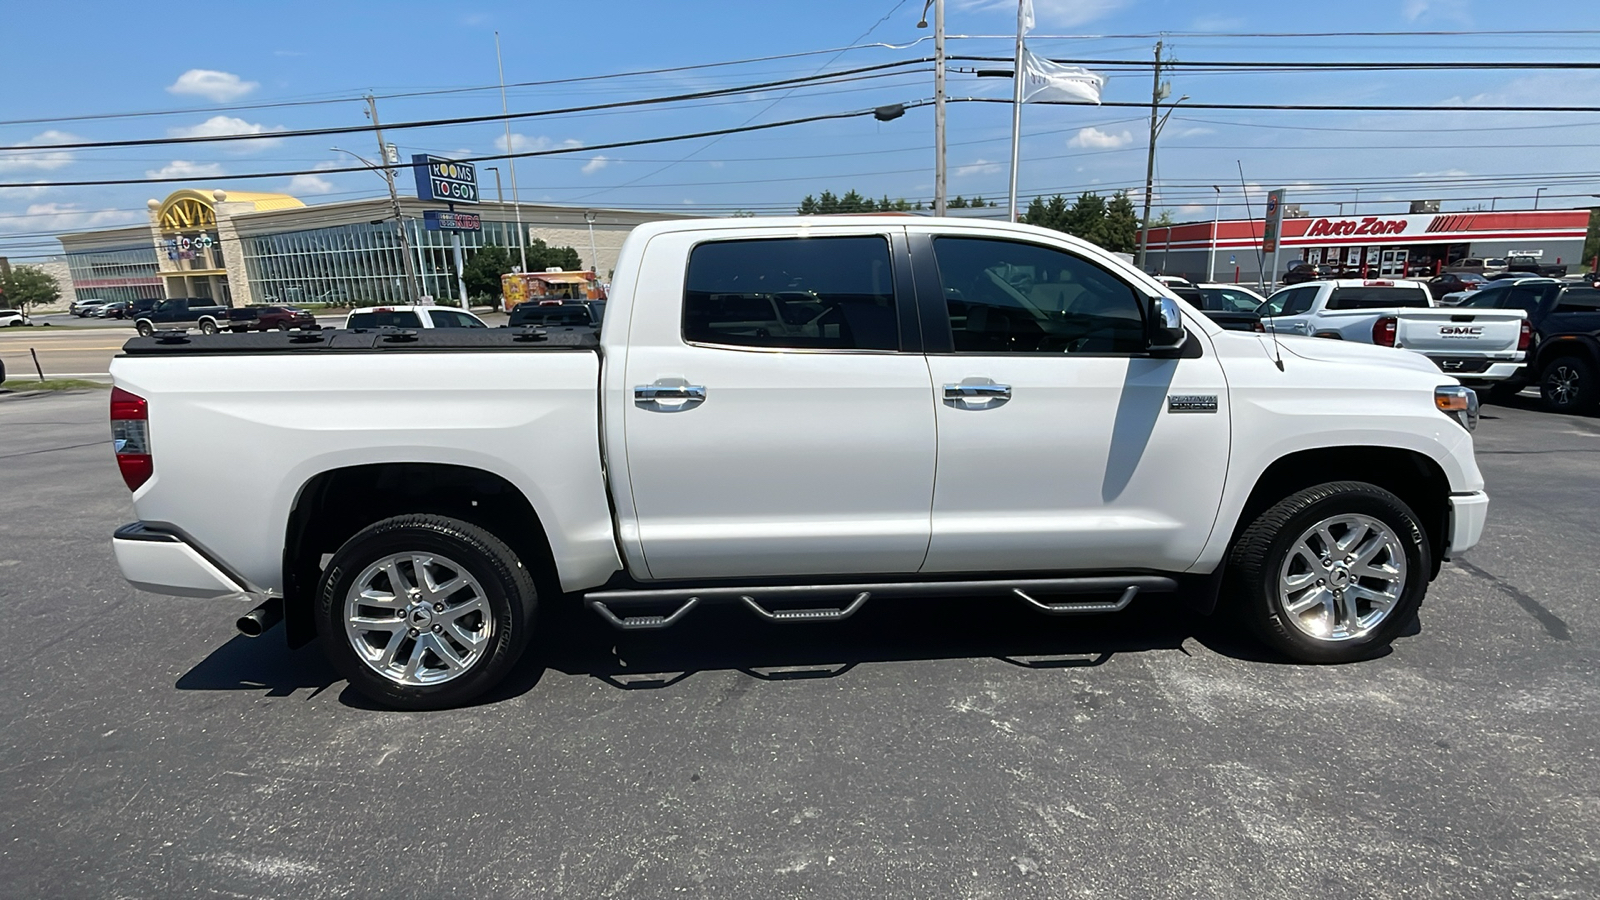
(405, 319)
(814, 293)
(1378, 297)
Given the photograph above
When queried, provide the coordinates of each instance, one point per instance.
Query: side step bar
(606, 603)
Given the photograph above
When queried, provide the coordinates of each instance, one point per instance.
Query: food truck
(551, 285)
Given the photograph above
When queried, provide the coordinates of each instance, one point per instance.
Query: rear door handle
(670, 394)
(977, 392)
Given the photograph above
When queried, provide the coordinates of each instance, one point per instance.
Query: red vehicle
(265, 318)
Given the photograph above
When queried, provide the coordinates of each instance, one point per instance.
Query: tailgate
(1460, 332)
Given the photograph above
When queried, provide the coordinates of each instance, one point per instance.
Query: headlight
(1459, 403)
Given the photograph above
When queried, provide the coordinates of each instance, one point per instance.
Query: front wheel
(208, 327)
(1332, 573)
(424, 611)
(1567, 385)
(144, 327)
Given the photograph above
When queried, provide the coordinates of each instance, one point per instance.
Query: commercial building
(1382, 245)
(240, 247)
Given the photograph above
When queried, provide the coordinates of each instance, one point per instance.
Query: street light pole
(1536, 196)
(589, 216)
(938, 101)
(499, 195)
(511, 157)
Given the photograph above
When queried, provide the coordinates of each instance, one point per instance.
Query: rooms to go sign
(445, 179)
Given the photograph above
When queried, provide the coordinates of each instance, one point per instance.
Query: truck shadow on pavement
(573, 641)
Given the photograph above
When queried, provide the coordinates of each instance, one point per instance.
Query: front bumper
(1468, 512)
(164, 563)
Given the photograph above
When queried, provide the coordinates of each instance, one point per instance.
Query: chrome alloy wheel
(417, 618)
(1342, 577)
(1561, 384)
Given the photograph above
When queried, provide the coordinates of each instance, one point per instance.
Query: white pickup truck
(796, 415)
(1479, 347)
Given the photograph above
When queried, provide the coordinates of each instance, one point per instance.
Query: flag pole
(1016, 105)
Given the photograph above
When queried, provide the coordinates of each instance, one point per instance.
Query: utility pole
(939, 181)
(1150, 159)
(394, 201)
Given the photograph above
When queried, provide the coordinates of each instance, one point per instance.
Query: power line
(831, 77)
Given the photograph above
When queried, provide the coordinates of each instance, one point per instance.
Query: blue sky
(188, 62)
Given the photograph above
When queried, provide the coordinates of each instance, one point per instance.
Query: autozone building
(1383, 244)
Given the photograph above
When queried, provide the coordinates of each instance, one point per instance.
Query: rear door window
(821, 293)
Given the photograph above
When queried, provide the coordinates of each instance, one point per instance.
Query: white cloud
(182, 168)
(595, 165)
(1194, 132)
(1094, 139)
(12, 160)
(521, 143)
(978, 167)
(312, 184)
(715, 163)
(219, 87)
(1060, 13)
(68, 217)
(1458, 12)
(222, 125)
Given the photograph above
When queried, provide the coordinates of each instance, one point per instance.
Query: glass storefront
(121, 273)
(358, 264)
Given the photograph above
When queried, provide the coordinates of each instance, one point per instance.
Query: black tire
(1500, 392)
(506, 586)
(283, 326)
(208, 326)
(144, 327)
(1566, 385)
(1261, 551)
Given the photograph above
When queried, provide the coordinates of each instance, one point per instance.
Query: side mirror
(1166, 324)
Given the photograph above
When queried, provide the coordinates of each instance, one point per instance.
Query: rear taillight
(1525, 339)
(1384, 331)
(130, 437)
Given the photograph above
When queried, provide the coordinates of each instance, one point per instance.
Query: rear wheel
(1567, 385)
(424, 611)
(1332, 573)
(283, 326)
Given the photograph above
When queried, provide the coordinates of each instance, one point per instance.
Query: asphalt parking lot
(942, 750)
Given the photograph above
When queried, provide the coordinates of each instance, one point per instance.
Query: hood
(1328, 350)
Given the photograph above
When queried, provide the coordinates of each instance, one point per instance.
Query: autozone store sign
(1436, 227)
(1368, 225)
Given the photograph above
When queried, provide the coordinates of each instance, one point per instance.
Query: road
(949, 749)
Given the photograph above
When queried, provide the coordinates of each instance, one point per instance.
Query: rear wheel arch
(1415, 478)
(335, 505)
(1585, 348)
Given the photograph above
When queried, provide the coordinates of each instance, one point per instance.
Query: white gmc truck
(1481, 347)
(799, 416)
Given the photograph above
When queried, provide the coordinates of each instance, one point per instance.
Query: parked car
(1302, 272)
(1476, 266)
(81, 308)
(1068, 441)
(112, 310)
(412, 317)
(1564, 321)
(180, 311)
(13, 317)
(261, 317)
(555, 314)
(1233, 309)
(1459, 284)
(1479, 347)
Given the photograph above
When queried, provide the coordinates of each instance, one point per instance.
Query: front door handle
(973, 393)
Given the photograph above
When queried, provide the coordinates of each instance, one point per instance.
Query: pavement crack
(53, 449)
(1553, 624)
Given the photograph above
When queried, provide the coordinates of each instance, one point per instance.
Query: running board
(606, 603)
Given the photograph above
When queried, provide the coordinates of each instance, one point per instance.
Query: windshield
(1377, 297)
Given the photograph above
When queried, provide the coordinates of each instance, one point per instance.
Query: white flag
(1025, 15)
(1045, 80)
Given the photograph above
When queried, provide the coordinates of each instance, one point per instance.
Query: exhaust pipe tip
(258, 621)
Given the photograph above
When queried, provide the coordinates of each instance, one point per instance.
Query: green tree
(1087, 218)
(808, 206)
(827, 203)
(959, 202)
(28, 286)
(1051, 213)
(1162, 220)
(482, 272)
(1122, 224)
(542, 256)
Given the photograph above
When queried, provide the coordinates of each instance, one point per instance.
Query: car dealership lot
(919, 749)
